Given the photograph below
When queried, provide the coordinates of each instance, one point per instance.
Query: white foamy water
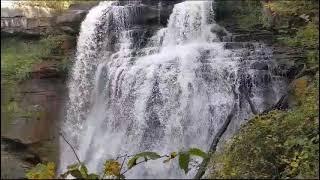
(173, 93)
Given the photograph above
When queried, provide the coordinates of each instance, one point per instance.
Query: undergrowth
(279, 144)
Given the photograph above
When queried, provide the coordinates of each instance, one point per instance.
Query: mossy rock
(297, 90)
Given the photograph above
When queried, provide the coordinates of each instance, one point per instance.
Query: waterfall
(169, 92)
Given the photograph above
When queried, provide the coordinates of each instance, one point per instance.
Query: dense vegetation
(18, 57)
(282, 143)
(279, 144)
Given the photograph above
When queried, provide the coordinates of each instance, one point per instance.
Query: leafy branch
(112, 167)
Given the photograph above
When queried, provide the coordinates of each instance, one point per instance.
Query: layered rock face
(42, 21)
(29, 20)
(31, 137)
(42, 99)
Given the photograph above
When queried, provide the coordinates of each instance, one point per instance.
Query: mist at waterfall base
(170, 92)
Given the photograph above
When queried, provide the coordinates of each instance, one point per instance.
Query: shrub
(279, 144)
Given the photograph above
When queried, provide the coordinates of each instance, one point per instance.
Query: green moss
(64, 65)
(307, 36)
(279, 144)
(251, 16)
(294, 7)
(18, 56)
(302, 32)
(17, 59)
(53, 43)
(246, 13)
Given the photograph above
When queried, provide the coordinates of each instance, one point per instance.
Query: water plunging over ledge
(130, 92)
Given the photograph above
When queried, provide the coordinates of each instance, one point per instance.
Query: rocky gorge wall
(30, 137)
(42, 21)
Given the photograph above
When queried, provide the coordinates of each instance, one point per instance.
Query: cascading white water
(173, 93)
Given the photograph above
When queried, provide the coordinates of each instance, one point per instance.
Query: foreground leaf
(77, 170)
(146, 155)
(184, 159)
(132, 162)
(149, 155)
(42, 171)
(84, 171)
(73, 166)
(93, 176)
(76, 173)
(198, 152)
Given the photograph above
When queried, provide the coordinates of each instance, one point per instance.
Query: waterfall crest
(171, 91)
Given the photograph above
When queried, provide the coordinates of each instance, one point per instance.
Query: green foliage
(184, 159)
(113, 167)
(18, 57)
(293, 7)
(279, 144)
(41, 171)
(251, 15)
(146, 155)
(65, 65)
(307, 36)
(246, 13)
(312, 58)
(302, 18)
(52, 44)
(197, 152)
(79, 171)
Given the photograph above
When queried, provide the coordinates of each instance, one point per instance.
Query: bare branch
(124, 159)
(121, 156)
(214, 144)
(60, 133)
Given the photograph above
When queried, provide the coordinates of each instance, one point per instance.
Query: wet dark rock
(266, 37)
(259, 66)
(294, 70)
(46, 69)
(16, 158)
(70, 20)
(238, 45)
